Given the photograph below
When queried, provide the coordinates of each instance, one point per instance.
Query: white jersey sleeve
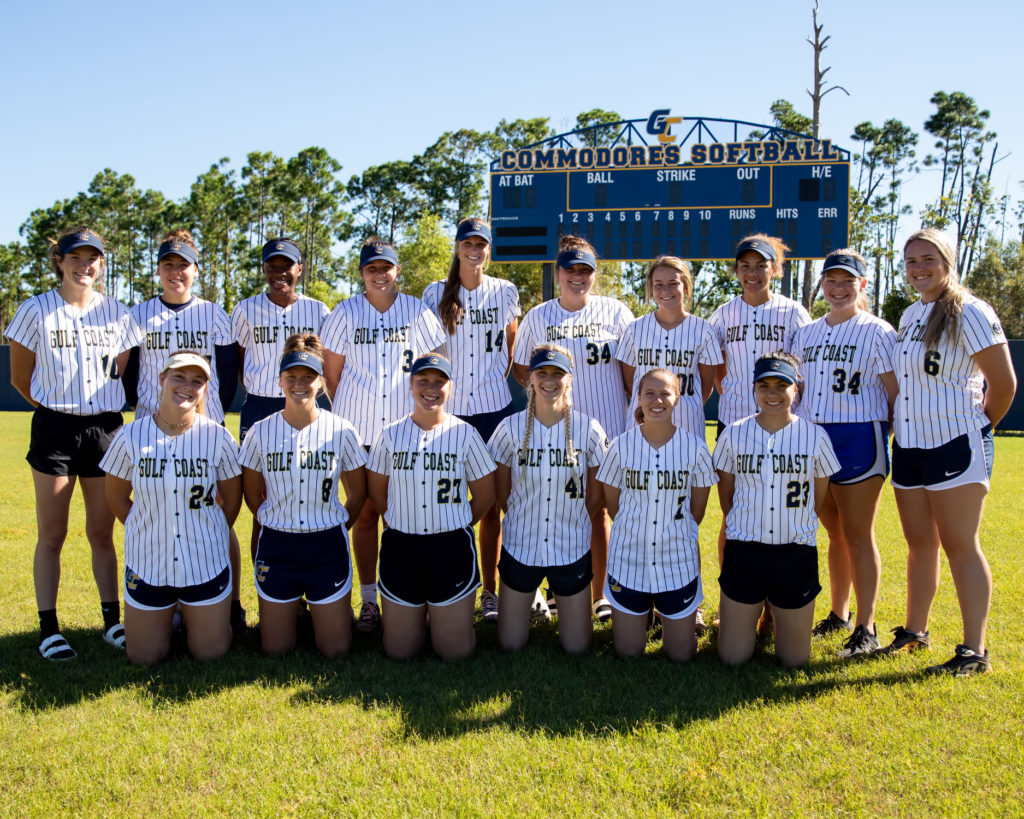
(176, 533)
(653, 546)
(429, 473)
(841, 366)
(591, 335)
(199, 326)
(302, 470)
(379, 349)
(478, 347)
(941, 390)
(745, 333)
(774, 495)
(647, 346)
(546, 523)
(76, 351)
(261, 328)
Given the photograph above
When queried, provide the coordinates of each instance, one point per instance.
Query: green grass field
(533, 734)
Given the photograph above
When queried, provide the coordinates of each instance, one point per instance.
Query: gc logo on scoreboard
(660, 124)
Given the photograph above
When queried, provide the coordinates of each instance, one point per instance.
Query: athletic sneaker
(700, 626)
(540, 610)
(238, 626)
(832, 624)
(369, 618)
(860, 644)
(964, 663)
(489, 605)
(905, 640)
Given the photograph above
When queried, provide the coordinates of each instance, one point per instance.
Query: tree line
(414, 203)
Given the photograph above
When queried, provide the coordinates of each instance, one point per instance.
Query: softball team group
(588, 502)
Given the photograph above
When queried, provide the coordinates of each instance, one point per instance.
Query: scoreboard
(694, 210)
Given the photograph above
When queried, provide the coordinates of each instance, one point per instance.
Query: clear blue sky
(162, 91)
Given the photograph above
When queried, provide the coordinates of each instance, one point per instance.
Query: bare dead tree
(819, 44)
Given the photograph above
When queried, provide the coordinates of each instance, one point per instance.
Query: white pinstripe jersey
(478, 348)
(653, 546)
(261, 328)
(646, 345)
(429, 472)
(592, 335)
(175, 533)
(302, 469)
(198, 326)
(745, 334)
(547, 522)
(379, 349)
(775, 472)
(75, 370)
(940, 395)
(841, 366)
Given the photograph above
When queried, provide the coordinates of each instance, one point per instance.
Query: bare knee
(211, 649)
(146, 654)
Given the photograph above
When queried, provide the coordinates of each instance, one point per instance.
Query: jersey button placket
(175, 569)
(298, 444)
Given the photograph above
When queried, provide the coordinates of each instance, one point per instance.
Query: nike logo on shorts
(338, 584)
(951, 474)
(688, 600)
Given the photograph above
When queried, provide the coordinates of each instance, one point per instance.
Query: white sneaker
(540, 607)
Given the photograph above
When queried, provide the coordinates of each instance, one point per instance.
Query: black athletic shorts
(289, 565)
(672, 605)
(486, 422)
(786, 575)
(564, 581)
(437, 569)
(141, 595)
(966, 459)
(64, 444)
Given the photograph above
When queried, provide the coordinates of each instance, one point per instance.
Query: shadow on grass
(538, 689)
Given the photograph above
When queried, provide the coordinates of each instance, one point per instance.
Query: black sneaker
(238, 626)
(964, 663)
(832, 624)
(905, 640)
(860, 644)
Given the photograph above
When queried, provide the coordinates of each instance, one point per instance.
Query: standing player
(292, 463)
(260, 324)
(956, 383)
(431, 478)
(164, 474)
(547, 487)
(656, 480)
(480, 315)
(753, 323)
(672, 339)
(178, 320)
(773, 471)
(849, 389)
(370, 343)
(68, 348)
(589, 327)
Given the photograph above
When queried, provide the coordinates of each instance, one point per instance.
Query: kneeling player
(773, 471)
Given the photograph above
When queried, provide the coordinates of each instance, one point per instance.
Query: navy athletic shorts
(141, 595)
(672, 605)
(290, 565)
(564, 581)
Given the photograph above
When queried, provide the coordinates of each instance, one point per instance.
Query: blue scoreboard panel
(691, 211)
